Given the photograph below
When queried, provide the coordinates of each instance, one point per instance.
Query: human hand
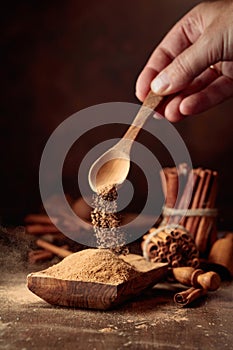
(193, 63)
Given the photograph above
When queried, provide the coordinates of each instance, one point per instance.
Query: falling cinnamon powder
(99, 265)
(93, 265)
(106, 221)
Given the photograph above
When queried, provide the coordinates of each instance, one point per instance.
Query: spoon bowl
(112, 168)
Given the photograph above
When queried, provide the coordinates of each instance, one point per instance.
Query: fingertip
(173, 118)
(160, 85)
(172, 110)
(138, 91)
(193, 104)
(141, 95)
(185, 108)
(143, 82)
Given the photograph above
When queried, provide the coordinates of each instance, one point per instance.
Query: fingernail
(158, 116)
(160, 83)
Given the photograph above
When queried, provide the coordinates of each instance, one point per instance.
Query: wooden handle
(152, 100)
(209, 280)
(183, 275)
(197, 278)
(150, 103)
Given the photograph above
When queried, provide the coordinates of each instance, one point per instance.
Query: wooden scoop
(97, 295)
(113, 166)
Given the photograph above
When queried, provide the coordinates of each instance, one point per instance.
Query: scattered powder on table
(93, 265)
(106, 221)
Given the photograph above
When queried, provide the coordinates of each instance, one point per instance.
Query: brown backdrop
(61, 56)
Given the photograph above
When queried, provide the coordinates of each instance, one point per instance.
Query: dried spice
(195, 207)
(93, 265)
(171, 245)
(106, 221)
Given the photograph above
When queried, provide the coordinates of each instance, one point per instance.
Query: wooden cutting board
(97, 295)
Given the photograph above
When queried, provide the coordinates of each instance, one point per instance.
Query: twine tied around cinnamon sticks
(190, 212)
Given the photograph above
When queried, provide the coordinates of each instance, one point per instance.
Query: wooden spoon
(113, 166)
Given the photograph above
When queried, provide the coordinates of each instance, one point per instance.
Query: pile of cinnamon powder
(93, 265)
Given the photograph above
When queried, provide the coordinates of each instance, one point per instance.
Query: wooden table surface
(151, 321)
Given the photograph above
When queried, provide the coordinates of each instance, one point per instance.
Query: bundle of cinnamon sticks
(194, 207)
(173, 246)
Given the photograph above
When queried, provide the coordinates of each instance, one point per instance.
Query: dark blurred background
(58, 57)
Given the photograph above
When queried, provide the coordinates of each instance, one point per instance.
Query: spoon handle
(150, 103)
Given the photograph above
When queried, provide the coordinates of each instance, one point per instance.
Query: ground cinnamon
(93, 265)
(106, 220)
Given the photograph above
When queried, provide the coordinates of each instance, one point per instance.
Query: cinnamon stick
(41, 229)
(183, 171)
(206, 223)
(152, 249)
(52, 248)
(166, 238)
(169, 177)
(194, 184)
(188, 296)
(192, 222)
(38, 219)
(185, 200)
(173, 247)
(35, 256)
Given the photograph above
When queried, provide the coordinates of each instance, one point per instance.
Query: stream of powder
(106, 221)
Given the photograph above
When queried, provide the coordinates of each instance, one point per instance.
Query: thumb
(189, 64)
